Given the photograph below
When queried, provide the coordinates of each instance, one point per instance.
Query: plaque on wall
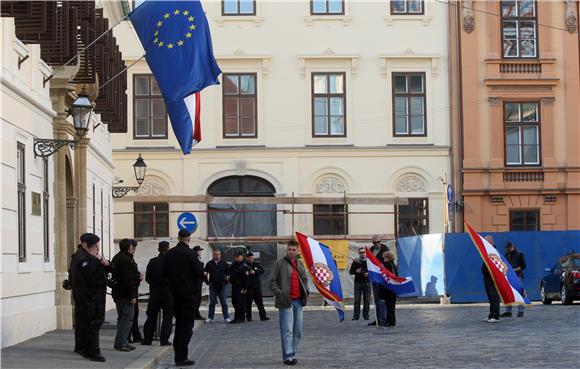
(35, 203)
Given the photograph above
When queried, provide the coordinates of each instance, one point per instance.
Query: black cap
(239, 253)
(508, 244)
(183, 233)
(197, 248)
(250, 254)
(90, 238)
(163, 246)
(133, 242)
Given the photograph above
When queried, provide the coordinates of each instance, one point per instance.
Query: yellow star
(156, 33)
(176, 12)
(159, 24)
(167, 15)
(156, 40)
(192, 27)
(161, 44)
(188, 35)
(190, 19)
(170, 46)
(186, 12)
(179, 43)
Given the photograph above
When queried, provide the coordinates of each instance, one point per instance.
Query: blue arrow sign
(450, 194)
(187, 221)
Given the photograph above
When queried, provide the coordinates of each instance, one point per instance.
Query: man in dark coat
(518, 263)
(183, 270)
(362, 286)
(124, 294)
(89, 291)
(378, 249)
(135, 334)
(239, 277)
(199, 251)
(255, 290)
(490, 290)
(159, 298)
(389, 296)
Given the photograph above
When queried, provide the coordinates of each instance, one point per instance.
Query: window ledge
(424, 19)
(409, 54)
(239, 19)
(345, 19)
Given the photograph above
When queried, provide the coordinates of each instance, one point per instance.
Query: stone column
(59, 92)
(81, 184)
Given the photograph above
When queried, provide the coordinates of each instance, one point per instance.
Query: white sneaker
(493, 320)
(228, 320)
(208, 320)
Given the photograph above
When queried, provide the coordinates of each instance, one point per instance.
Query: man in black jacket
(159, 298)
(135, 334)
(199, 251)
(362, 286)
(124, 294)
(518, 263)
(215, 272)
(183, 270)
(238, 276)
(378, 249)
(255, 290)
(389, 296)
(490, 289)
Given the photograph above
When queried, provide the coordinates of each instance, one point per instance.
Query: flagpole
(121, 72)
(375, 305)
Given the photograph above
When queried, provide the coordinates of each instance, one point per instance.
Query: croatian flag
(381, 275)
(322, 268)
(506, 281)
(177, 42)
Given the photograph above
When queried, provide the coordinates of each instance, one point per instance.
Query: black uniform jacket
(255, 278)
(154, 273)
(239, 275)
(124, 274)
(182, 269)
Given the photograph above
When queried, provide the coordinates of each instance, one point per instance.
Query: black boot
(95, 350)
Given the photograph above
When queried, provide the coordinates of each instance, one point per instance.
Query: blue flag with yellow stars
(178, 49)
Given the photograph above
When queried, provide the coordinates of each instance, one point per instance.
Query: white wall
(27, 296)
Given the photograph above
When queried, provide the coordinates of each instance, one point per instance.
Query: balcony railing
(520, 68)
(535, 176)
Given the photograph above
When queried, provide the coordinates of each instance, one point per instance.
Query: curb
(150, 358)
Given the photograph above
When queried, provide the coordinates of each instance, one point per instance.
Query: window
(522, 133)
(519, 29)
(328, 105)
(327, 7)
(413, 219)
(136, 3)
(45, 211)
(409, 101)
(407, 7)
(238, 7)
(151, 219)
(149, 115)
(94, 210)
(239, 106)
(21, 175)
(524, 220)
(330, 219)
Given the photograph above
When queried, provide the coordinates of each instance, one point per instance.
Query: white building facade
(320, 98)
(29, 276)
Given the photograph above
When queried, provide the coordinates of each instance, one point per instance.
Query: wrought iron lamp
(81, 110)
(140, 168)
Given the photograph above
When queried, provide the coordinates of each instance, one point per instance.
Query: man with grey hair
(378, 249)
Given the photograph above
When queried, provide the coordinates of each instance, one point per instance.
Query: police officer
(183, 270)
(67, 284)
(159, 298)
(89, 289)
(239, 277)
(255, 290)
(197, 315)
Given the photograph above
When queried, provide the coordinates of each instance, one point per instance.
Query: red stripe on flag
(307, 255)
(197, 123)
(384, 270)
(499, 279)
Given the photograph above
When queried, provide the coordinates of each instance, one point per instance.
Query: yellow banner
(340, 256)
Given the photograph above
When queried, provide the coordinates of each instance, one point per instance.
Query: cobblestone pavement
(426, 336)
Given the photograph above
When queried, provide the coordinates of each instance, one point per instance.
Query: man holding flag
(178, 49)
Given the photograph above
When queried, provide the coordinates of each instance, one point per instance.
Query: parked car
(563, 281)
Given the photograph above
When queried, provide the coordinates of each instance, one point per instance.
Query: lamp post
(81, 110)
(140, 168)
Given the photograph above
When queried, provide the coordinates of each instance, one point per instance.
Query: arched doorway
(245, 220)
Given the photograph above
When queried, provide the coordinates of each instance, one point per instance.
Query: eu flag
(178, 49)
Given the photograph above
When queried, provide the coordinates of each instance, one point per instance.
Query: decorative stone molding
(152, 188)
(240, 55)
(493, 101)
(410, 55)
(240, 167)
(345, 19)
(571, 20)
(328, 54)
(257, 21)
(468, 19)
(411, 183)
(548, 101)
(330, 185)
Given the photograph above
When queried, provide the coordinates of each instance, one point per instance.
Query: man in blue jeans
(518, 262)
(215, 277)
(290, 288)
(124, 294)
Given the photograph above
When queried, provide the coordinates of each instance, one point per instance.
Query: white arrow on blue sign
(187, 221)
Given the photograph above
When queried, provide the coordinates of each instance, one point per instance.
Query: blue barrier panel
(541, 249)
(421, 257)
